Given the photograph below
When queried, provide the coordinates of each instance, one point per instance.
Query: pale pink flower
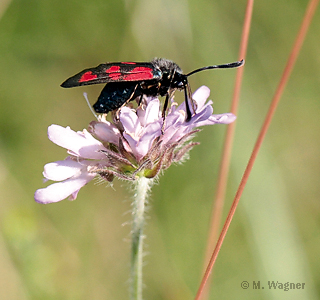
(136, 145)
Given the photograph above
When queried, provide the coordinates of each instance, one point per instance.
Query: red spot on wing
(114, 72)
(113, 69)
(87, 76)
(115, 76)
(139, 73)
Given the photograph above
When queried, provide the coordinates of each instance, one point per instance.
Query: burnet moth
(128, 80)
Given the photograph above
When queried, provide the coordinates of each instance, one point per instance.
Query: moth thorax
(166, 65)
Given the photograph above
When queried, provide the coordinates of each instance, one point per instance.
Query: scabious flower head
(139, 144)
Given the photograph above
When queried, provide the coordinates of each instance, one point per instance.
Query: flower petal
(129, 120)
(152, 112)
(200, 96)
(202, 115)
(61, 190)
(105, 131)
(81, 144)
(62, 169)
(226, 118)
(142, 146)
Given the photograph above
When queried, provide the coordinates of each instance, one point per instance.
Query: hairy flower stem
(139, 203)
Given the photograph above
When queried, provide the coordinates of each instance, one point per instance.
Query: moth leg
(193, 103)
(187, 105)
(165, 106)
(140, 100)
(187, 95)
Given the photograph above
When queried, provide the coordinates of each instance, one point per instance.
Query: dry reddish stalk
(225, 160)
(226, 154)
(283, 81)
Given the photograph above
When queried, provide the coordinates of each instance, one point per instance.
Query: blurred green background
(81, 249)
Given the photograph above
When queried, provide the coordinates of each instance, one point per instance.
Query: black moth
(128, 80)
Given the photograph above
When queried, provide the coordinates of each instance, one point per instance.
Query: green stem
(139, 203)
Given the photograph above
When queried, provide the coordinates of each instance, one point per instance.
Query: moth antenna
(224, 66)
(85, 95)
